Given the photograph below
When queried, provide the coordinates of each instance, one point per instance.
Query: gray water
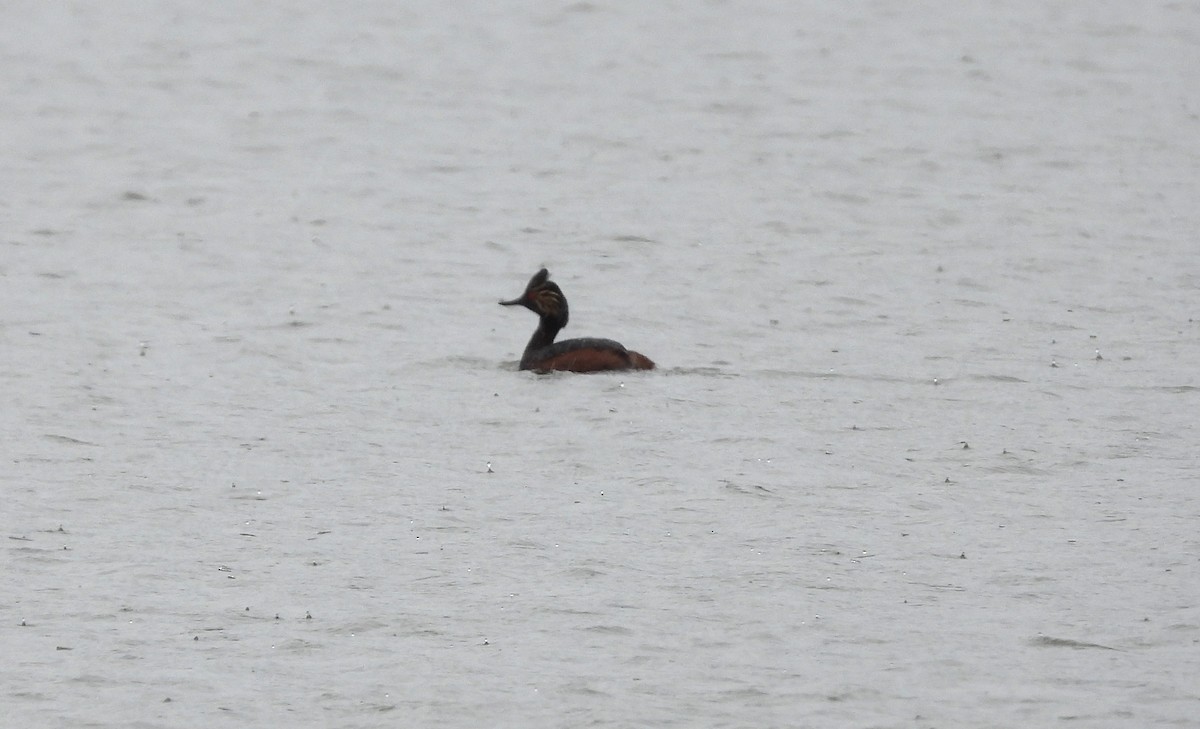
(921, 280)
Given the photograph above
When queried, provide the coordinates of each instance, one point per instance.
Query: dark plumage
(544, 298)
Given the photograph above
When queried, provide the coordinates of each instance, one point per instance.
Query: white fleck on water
(883, 477)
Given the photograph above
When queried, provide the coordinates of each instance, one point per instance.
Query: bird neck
(543, 336)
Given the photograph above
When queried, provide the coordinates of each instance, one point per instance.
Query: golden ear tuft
(548, 301)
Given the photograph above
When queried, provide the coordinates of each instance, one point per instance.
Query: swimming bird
(544, 298)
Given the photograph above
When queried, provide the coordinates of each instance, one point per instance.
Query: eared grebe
(544, 298)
